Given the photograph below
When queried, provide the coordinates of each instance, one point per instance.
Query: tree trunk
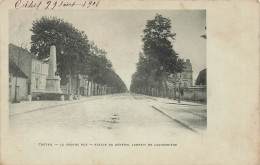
(77, 85)
(174, 91)
(97, 89)
(69, 83)
(167, 89)
(94, 89)
(88, 87)
(165, 84)
(91, 92)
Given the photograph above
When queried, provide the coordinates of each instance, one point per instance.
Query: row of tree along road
(158, 61)
(76, 55)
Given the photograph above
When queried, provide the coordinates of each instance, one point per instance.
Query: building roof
(14, 69)
(14, 50)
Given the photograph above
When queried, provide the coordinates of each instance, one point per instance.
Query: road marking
(178, 121)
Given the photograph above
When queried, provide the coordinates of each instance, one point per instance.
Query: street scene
(147, 72)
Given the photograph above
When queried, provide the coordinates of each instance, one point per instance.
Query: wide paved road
(120, 112)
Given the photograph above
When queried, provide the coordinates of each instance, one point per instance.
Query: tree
(72, 47)
(75, 54)
(158, 48)
(98, 65)
(158, 60)
(202, 78)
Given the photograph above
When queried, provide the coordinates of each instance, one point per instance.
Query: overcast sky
(119, 33)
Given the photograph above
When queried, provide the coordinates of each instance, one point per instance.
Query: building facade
(186, 76)
(39, 73)
(183, 79)
(35, 70)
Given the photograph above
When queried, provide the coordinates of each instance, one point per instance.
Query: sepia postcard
(93, 82)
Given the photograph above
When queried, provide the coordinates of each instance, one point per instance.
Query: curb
(178, 121)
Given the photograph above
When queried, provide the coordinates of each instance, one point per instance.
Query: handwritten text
(50, 5)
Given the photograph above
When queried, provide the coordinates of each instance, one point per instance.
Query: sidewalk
(182, 102)
(29, 106)
(171, 101)
(190, 115)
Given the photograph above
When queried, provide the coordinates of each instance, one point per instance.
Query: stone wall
(198, 95)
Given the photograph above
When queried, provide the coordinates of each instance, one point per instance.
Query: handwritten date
(50, 5)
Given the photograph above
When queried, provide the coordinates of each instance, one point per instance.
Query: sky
(119, 33)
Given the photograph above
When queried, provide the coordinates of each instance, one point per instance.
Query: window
(45, 69)
(39, 68)
(33, 66)
(37, 83)
(40, 84)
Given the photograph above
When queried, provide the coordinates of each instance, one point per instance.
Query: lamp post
(179, 78)
(174, 90)
(179, 99)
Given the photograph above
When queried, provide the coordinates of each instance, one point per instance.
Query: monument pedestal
(52, 81)
(53, 84)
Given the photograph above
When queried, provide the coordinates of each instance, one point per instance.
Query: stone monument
(52, 81)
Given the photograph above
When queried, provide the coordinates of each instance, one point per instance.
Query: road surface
(119, 112)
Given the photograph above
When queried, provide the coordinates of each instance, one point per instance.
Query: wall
(23, 88)
(199, 95)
